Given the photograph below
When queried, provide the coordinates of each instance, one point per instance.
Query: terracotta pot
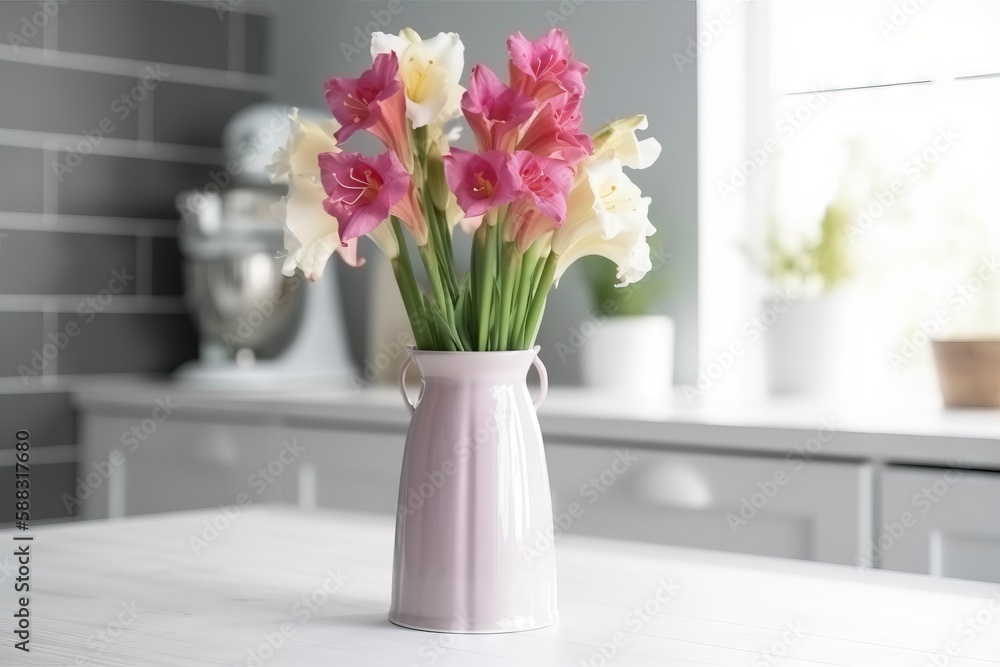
(474, 520)
(969, 372)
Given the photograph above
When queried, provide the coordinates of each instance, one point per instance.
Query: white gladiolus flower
(311, 234)
(607, 216)
(306, 140)
(619, 139)
(385, 238)
(430, 70)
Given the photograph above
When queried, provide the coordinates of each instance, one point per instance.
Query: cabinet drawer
(796, 508)
(940, 521)
(350, 469)
(138, 466)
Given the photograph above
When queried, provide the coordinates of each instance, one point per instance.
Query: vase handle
(402, 384)
(543, 378)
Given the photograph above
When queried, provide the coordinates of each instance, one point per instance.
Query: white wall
(629, 45)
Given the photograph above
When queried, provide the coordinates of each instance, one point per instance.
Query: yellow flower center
(422, 79)
(485, 186)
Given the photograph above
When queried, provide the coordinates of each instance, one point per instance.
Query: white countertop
(906, 430)
(134, 592)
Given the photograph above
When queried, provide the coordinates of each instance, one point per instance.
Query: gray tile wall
(108, 108)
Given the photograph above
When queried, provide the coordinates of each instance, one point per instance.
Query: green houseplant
(628, 345)
(806, 344)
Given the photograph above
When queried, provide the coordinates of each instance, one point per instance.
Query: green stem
(414, 311)
(408, 290)
(438, 238)
(538, 299)
(509, 271)
(528, 262)
(420, 142)
(444, 302)
(485, 238)
(438, 232)
(446, 232)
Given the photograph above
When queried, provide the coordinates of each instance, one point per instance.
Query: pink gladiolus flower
(364, 191)
(544, 184)
(480, 181)
(567, 110)
(375, 102)
(547, 138)
(494, 111)
(545, 68)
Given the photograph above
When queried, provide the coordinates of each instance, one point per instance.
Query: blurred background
(827, 236)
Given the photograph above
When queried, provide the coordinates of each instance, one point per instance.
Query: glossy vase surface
(474, 521)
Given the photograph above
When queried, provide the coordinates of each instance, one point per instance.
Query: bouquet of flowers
(537, 194)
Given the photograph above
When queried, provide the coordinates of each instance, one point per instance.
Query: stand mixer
(257, 327)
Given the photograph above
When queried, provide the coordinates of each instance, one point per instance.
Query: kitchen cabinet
(813, 510)
(939, 521)
(776, 483)
(349, 468)
(180, 465)
(126, 469)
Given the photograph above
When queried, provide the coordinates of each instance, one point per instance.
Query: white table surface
(219, 607)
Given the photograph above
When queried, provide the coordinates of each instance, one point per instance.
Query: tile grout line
(12, 384)
(143, 264)
(50, 183)
(257, 11)
(115, 147)
(146, 118)
(68, 303)
(46, 455)
(199, 76)
(236, 55)
(50, 323)
(50, 33)
(68, 223)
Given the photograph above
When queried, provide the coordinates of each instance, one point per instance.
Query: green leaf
(447, 335)
(638, 298)
(495, 320)
(462, 321)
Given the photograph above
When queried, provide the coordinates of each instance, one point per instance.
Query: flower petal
(446, 50)
(619, 139)
(383, 43)
(311, 236)
(385, 238)
(607, 216)
(430, 70)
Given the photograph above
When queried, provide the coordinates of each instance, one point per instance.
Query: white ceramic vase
(474, 500)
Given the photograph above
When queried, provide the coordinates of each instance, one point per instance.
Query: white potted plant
(805, 347)
(628, 346)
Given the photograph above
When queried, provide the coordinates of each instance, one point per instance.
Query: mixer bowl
(244, 302)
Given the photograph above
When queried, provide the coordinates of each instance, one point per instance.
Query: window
(887, 109)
